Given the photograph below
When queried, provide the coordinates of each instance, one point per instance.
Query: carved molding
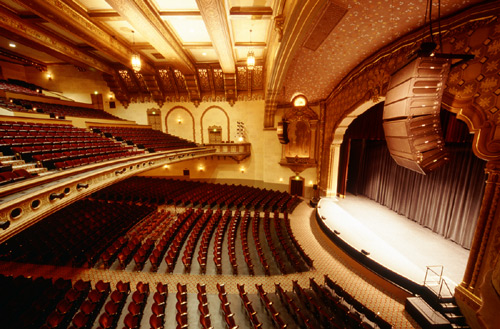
(26, 208)
(18, 26)
(63, 15)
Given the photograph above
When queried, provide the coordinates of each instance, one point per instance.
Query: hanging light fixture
(136, 59)
(250, 56)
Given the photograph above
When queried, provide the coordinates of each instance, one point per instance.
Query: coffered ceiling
(196, 50)
(190, 50)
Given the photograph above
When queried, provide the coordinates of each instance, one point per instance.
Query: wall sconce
(201, 168)
(281, 179)
(110, 95)
(179, 121)
(49, 75)
(242, 169)
(96, 92)
(240, 139)
(311, 183)
(165, 167)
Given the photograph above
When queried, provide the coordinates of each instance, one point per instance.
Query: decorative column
(484, 250)
(485, 223)
(333, 170)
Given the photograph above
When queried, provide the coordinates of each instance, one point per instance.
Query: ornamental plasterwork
(13, 24)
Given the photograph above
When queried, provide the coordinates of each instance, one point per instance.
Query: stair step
(37, 170)
(455, 318)
(24, 166)
(4, 158)
(459, 326)
(449, 307)
(12, 162)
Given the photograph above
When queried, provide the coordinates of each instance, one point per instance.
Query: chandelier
(136, 59)
(250, 56)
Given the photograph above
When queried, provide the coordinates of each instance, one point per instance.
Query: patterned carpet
(368, 288)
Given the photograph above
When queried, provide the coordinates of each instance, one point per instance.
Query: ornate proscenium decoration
(298, 133)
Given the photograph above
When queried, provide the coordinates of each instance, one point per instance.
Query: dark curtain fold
(447, 200)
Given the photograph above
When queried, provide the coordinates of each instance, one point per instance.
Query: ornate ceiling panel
(366, 27)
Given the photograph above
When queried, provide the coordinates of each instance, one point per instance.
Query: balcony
(236, 151)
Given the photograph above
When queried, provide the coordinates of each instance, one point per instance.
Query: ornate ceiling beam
(111, 15)
(49, 43)
(251, 11)
(143, 16)
(77, 23)
(214, 16)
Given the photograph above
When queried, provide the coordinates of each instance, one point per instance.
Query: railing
(434, 277)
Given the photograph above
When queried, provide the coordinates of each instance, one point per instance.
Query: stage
(376, 235)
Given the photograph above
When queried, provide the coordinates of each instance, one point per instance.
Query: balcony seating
(52, 109)
(19, 87)
(146, 137)
(58, 146)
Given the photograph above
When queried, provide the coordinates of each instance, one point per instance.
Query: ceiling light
(250, 56)
(136, 59)
(12, 44)
(204, 53)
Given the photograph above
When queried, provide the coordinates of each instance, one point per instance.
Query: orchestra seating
(28, 302)
(75, 235)
(145, 137)
(58, 146)
(185, 193)
(132, 236)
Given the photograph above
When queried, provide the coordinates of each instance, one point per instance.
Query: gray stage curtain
(447, 201)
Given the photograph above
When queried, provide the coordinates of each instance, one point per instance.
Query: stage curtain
(447, 201)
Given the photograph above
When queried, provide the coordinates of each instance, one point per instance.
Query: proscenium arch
(227, 117)
(338, 137)
(190, 114)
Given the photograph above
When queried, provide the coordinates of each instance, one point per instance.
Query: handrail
(430, 269)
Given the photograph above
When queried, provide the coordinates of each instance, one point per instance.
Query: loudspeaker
(411, 114)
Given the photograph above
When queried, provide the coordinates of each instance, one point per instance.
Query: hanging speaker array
(411, 117)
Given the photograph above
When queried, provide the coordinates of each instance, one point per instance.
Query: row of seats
(75, 235)
(58, 146)
(147, 137)
(13, 176)
(205, 240)
(56, 110)
(58, 303)
(19, 87)
(193, 193)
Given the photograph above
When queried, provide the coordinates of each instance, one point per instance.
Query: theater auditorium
(249, 164)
